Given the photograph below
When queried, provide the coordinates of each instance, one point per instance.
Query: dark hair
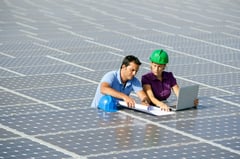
(130, 58)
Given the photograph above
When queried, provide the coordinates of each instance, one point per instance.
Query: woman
(158, 83)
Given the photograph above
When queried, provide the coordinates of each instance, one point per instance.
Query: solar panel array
(54, 53)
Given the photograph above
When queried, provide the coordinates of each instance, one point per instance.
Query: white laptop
(186, 98)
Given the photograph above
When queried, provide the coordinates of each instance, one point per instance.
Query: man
(120, 83)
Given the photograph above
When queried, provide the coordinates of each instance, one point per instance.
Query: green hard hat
(159, 57)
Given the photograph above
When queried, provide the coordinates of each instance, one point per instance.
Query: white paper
(148, 109)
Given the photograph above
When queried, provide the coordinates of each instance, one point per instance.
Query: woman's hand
(145, 101)
(164, 106)
(196, 103)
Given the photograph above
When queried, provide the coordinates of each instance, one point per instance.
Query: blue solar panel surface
(54, 53)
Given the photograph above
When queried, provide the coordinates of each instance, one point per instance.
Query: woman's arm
(175, 89)
(148, 89)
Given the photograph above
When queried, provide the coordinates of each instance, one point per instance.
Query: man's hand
(130, 102)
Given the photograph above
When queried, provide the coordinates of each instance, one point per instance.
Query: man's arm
(105, 88)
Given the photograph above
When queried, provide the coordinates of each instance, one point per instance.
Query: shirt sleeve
(145, 80)
(108, 77)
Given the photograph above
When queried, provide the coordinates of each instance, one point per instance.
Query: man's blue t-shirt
(114, 80)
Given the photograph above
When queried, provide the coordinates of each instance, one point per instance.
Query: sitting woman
(158, 83)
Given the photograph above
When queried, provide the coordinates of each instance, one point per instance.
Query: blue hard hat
(108, 103)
